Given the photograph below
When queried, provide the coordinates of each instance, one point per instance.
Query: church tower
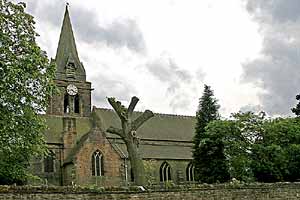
(74, 97)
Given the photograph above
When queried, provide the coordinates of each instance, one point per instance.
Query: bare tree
(129, 136)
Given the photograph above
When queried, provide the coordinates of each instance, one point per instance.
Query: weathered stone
(244, 192)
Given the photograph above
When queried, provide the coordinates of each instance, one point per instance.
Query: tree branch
(141, 119)
(115, 131)
(118, 107)
(133, 102)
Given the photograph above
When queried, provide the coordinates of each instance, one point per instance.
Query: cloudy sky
(163, 51)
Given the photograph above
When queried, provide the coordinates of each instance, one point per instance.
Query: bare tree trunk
(128, 134)
(137, 165)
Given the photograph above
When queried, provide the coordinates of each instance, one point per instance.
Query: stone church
(84, 154)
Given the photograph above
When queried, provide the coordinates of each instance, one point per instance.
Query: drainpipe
(126, 174)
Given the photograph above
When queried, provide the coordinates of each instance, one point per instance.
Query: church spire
(67, 60)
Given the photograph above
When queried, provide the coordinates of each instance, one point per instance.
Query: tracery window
(190, 172)
(49, 162)
(165, 172)
(97, 164)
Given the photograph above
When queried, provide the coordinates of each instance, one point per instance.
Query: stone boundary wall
(278, 191)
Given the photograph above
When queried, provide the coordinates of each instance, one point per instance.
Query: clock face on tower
(72, 90)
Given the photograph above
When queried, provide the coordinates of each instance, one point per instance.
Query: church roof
(159, 127)
(162, 137)
(67, 51)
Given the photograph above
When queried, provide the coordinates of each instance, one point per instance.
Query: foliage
(26, 82)
(169, 184)
(276, 156)
(213, 166)
(296, 110)
(207, 111)
(247, 128)
(252, 148)
(226, 146)
(150, 166)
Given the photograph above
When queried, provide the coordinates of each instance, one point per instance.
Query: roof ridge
(157, 114)
(174, 115)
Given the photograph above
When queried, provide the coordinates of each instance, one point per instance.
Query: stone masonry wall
(111, 161)
(278, 191)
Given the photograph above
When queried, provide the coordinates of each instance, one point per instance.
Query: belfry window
(165, 172)
(70, 70)
(66, 104)
(190, 172)
(76, 103)
(97, 164)
(49, 162)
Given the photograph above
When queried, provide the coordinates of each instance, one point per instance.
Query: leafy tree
(276, 153)
(263, 150)
(26, 81)
(246, 129)
(268, 162)
(207, 112)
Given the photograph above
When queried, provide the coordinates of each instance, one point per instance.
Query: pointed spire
(67, 51)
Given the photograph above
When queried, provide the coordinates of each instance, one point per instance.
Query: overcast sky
(163, 51)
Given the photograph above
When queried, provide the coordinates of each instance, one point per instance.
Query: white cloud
(276, 70)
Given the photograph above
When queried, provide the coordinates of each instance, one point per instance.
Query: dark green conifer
(205, 153)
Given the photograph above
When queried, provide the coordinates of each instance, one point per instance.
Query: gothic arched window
(49, 162)
(190, 172)
(76, 103)
(165, 172)
(97, 164)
